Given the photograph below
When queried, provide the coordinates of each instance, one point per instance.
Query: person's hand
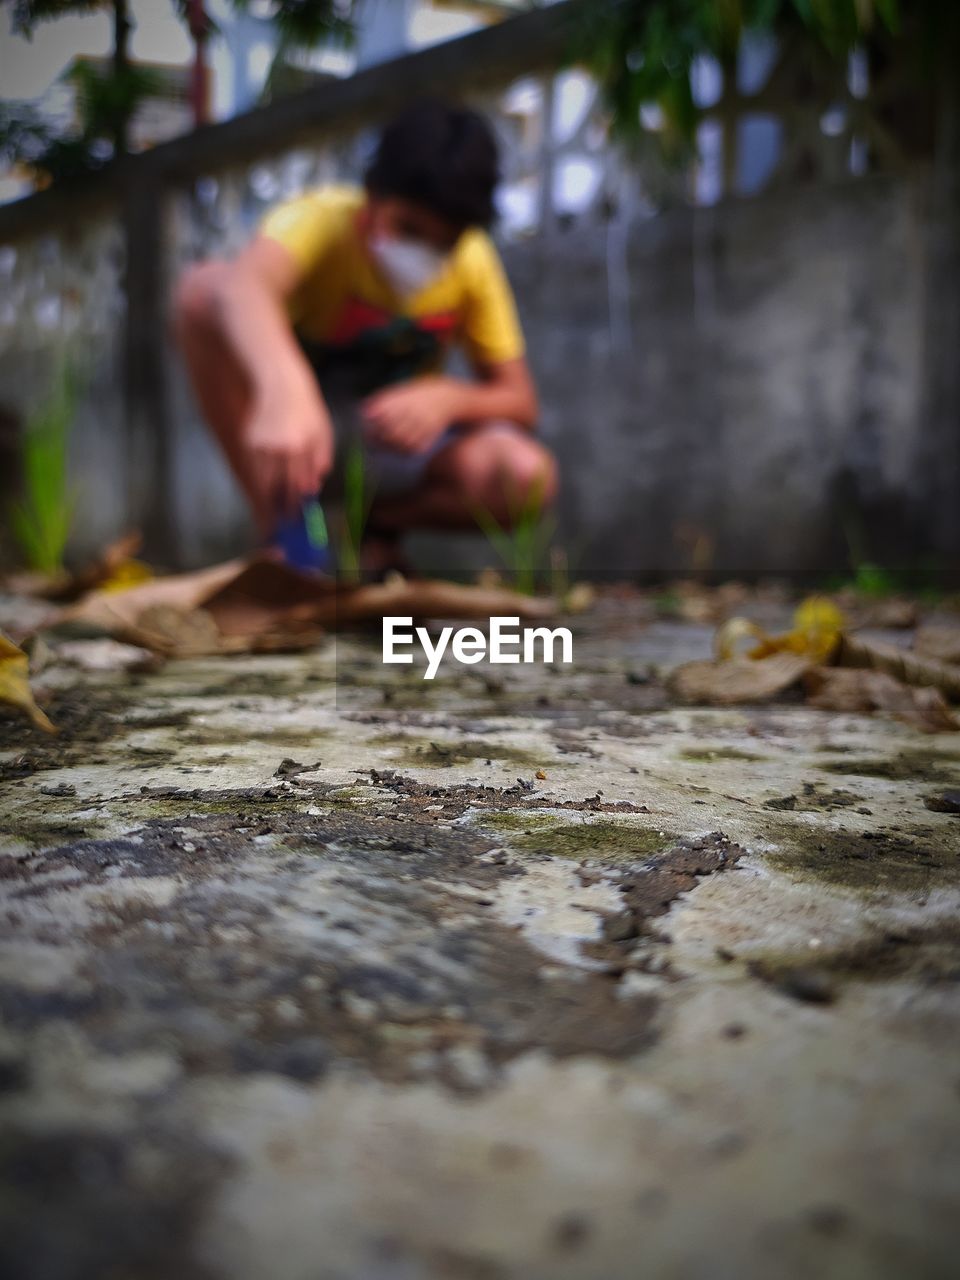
(289, 447)
(409, 418)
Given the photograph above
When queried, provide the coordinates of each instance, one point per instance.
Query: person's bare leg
(219, 383)
(489, 468)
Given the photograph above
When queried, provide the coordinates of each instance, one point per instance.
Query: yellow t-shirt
(345, 306)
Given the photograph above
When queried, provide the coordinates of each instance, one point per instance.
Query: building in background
(245, 58)
(555, 120)
(248, 66)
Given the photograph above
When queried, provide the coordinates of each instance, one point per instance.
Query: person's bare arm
(287, 432)
(504, 390)
(410, 417)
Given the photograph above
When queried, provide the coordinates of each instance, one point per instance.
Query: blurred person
(334, 325)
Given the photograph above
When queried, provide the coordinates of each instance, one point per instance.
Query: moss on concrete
(870, 861)
(237, 735)
(251, 809)
(919, 764)
(43, 832)
(604, 841)
(928, 953)
(416, 752)
(707, 755)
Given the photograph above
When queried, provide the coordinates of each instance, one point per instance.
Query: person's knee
(534, 474)
(504, 473)
(523, 476)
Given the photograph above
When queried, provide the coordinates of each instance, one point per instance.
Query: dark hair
(442, 157)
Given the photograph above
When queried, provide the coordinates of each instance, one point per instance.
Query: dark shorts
(391, 473)
(387, 472)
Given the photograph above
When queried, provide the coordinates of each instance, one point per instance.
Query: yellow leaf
(128, 573)
(15, 684)
(818, 627)
(732, 632)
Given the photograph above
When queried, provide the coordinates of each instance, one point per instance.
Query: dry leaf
(904, 665)
(730, 636)
(738, 680)
(942, 643)
(15, 684)
(852, 690)
(580, 598)
(115, 566)
(127, 574)
(35, 585)
(897, 614)
(892, 613)
(265, 605)
(40, 654)
(185, 632)
(119, 613)
(817, 627)
(434, 599)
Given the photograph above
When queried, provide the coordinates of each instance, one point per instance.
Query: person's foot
(381, 553)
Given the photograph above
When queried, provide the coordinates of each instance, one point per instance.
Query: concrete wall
(746, 378)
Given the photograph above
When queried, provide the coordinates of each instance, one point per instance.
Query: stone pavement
(312, 970)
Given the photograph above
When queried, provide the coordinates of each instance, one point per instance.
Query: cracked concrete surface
(306, 972)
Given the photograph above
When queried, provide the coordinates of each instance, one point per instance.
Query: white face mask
(409, 265)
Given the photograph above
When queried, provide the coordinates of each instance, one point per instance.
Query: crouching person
(333, 326)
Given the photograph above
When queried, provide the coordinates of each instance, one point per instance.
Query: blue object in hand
(304, 540)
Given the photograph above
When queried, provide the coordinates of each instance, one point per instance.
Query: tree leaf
(902, 664)
(737, 680)
(889, 11)
(15, 684)
(849, 689)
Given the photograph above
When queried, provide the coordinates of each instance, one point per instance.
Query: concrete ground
(312, 970)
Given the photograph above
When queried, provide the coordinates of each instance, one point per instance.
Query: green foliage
(25, 134)
(305, 24)
(524, 543)
(41, 520)
(667, 603)
(28, 14)
(874, 582)
(316, 525)
(643, 51)
(927, 581)
(108, 100)
(29, 140)
(357, 501)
